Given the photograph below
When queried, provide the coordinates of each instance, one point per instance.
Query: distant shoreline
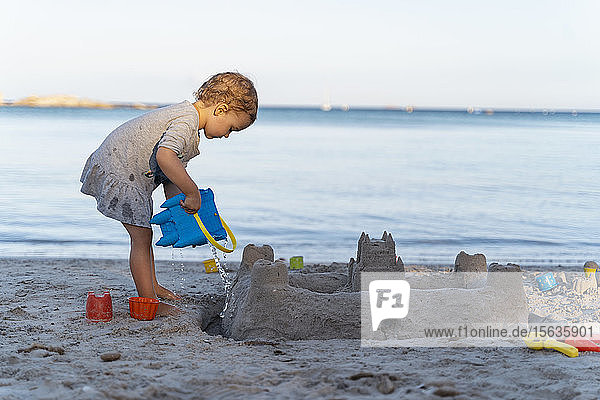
(69, 101)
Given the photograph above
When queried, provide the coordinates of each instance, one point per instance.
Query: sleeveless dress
(122, 173)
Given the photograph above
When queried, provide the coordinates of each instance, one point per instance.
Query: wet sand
(50, 351)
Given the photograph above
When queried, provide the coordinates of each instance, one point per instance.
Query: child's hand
(191, 204)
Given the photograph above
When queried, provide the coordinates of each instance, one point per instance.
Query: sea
(520, 187)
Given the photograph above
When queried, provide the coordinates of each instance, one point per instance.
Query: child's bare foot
(166, 294)
(165, 309)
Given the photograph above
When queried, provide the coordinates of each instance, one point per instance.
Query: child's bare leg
(139, 259)
(161, 291)
(141, 264)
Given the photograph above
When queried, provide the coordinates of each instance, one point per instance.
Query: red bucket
(98, 308)
(143, 308)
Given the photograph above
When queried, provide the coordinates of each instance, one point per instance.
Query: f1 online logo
(389, 300)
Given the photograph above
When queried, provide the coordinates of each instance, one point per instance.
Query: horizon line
(413, 108)
(80, 102)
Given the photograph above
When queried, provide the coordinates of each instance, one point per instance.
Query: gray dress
(122, 173)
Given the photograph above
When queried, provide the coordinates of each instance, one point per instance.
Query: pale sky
(437, 53)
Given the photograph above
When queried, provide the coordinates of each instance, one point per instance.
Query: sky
(428, 53)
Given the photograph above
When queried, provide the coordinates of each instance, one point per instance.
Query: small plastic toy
(181, 229)
(595, 339)
(98, 308)
(537, 342)
(583, 344)
(210, 265)
(143, 308)
(546, 281)
(296, 262)
(590, 268)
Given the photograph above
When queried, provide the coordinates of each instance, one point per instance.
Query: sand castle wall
(320, 282)
(274, 309)
(270, 302)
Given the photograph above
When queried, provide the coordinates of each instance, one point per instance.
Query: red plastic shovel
(584, 344)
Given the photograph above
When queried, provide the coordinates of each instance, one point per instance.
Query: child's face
(222, 122)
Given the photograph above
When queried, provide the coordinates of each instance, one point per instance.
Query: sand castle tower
(373, 255)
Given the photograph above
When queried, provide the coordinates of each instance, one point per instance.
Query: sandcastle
(268, 301)
(373, 256)
(586, 283)
(265, 305)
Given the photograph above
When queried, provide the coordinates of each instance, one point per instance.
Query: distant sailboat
(326, 105)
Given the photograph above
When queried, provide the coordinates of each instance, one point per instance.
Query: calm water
(517, 187)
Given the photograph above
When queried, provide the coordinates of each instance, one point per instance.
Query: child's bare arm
(170, 164)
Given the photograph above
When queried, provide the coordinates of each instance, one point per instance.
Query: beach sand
(50, 351)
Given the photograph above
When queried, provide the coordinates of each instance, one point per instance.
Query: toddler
(154, 149)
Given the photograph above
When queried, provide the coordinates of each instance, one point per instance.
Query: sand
(50, 351)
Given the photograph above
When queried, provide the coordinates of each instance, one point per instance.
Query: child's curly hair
(231, 88)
